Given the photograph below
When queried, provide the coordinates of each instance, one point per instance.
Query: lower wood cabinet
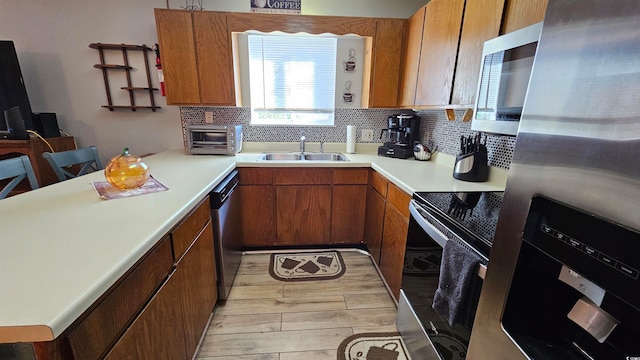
(257, 202)
(386, 227)
(303, 214)
(348, 214)
(156, 333)
(302, 206)
(394, 237)
(158, 310)
(172, 323)
(394, 240)
(374, 221)
(197, 274)
(91, 338)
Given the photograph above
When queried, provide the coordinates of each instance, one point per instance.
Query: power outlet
(367, 135)
(208, 117)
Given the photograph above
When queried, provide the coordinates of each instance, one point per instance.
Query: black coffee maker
(401, 135)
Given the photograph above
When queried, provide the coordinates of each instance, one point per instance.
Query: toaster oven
(214, 139)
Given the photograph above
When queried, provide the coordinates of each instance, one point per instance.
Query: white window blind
(292, 79)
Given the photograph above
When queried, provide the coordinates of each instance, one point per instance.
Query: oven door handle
(436, 234)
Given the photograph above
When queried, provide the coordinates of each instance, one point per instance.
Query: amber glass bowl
(126, 171)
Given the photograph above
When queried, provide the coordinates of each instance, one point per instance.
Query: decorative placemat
(325, 265)
(420, 261)
(107, 191)
(373, 346)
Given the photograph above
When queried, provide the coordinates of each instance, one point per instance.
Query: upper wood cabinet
(413, 44)
(386, 63)
(195, 49)
(438, 51)
(443, 47)
(482, 20)
(197, 58)
(522, 13)
(434, 44)
(178, 53)
(214, 57)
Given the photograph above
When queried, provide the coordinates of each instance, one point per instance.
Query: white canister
(351, 139)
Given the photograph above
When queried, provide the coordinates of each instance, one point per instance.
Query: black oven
(469, 219)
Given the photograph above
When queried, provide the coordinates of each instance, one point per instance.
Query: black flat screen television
(12, 89)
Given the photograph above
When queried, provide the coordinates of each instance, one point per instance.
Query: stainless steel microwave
(504, 78)
(214, 139)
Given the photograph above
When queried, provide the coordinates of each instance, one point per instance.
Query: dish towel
(458, 269)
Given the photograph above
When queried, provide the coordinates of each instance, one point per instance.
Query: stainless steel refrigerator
(578, 146)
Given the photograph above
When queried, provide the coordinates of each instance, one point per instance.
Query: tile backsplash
(445, 134)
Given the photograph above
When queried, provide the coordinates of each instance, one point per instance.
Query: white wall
(52, 38)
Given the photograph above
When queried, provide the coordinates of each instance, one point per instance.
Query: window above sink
(299, 79)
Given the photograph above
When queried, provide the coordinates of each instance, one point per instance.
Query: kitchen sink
(325, 157)
(280, 157)
(302, 157)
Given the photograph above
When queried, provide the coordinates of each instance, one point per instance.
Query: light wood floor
(273, 320)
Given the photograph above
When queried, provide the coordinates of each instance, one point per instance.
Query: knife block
(472, 166)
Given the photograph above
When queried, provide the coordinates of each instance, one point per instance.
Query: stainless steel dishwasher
(227, 231)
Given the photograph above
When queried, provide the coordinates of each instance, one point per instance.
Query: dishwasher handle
(224, 190)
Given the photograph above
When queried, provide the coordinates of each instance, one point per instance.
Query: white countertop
(409, 174)
(62, 247)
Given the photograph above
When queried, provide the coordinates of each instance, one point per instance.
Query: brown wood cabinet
(386, 227)
(386, 63)
(435, 43)
(154, 334)
(438, 51)
(374, 218)
(412, 46)
(214, 58)
(394, 237)
(174, 320)
(198, 295)
(522, 13)
(197, 58)
(195, 49)
(158, 310)
(303, 214)
(482, 20)
(257, 201)
(99, 330)
(446, 35)
(178, 54)
(302, 206)
(348, 205)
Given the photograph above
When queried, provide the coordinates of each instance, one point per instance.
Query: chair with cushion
(87, 159)
(16, 169)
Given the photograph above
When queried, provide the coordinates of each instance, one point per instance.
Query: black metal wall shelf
(127, 69)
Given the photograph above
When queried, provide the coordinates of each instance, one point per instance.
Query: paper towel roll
(351, 139)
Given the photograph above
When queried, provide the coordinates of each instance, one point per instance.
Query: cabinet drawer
(350, 176)
(302, 176)
(378, 182)
(399, 200)
(93, 336)
(187, 231)
(255, 176)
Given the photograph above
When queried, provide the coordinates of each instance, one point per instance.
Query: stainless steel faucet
(303, 140)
